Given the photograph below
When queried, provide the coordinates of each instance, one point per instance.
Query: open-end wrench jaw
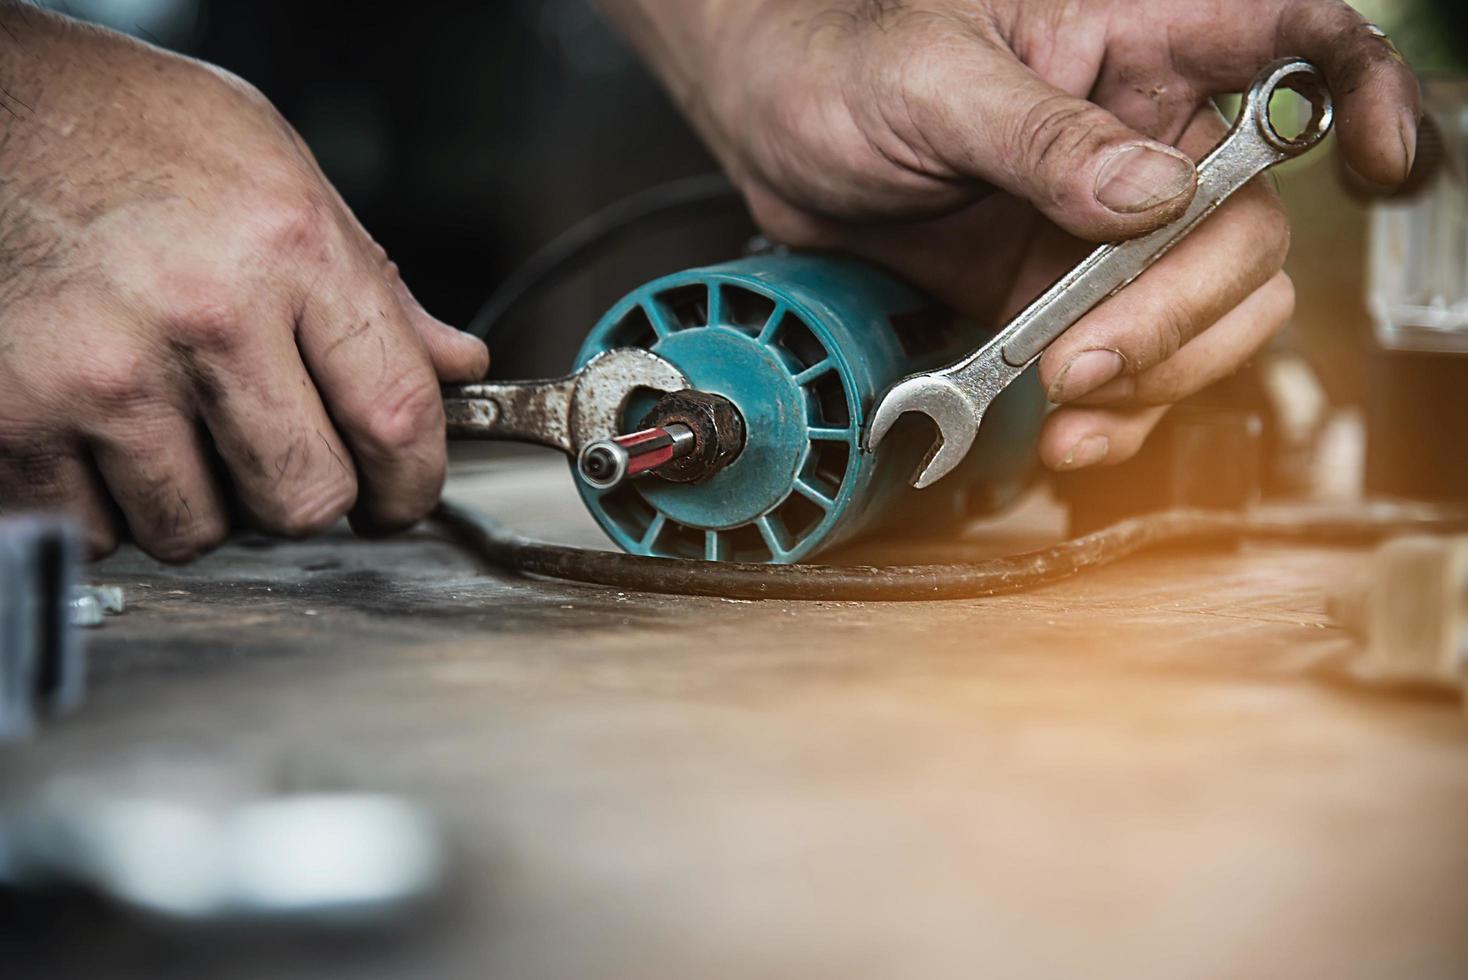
(947, 407)
(954, 400)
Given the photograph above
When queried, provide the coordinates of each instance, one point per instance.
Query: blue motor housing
(803, 345)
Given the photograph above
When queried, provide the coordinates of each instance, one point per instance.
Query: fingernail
(1141, 176)
(1087, 452)
(1084, 373)
(1407, 125)
(1386, 42)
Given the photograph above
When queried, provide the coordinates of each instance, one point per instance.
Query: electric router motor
(801, 346)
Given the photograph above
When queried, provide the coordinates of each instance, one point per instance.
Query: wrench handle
(536, 412)
(1251, 147)
(562, 413)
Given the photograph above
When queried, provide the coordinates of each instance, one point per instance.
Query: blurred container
(1418, 259)
(1417, 401)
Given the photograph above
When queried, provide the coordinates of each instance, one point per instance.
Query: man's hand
(884, 127)
(191, 321)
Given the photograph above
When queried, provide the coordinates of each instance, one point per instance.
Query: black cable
(504, 549)
(581, 242)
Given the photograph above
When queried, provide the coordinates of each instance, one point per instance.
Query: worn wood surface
(1162, 769)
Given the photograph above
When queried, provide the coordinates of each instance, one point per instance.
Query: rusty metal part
(956, 397)
(718, 433)
(562, 413)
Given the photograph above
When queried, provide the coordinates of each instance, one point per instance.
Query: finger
(1239, 248)
(154, 466)
(290, 471)
(989, 117)
(1076, 438)
(456, 355)
(1211, 356)
(48, 473)
(375, 374)
(1376, 95)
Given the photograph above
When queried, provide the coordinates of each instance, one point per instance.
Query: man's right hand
(190, 317)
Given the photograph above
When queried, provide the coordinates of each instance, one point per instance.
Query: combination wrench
(562, 413)
(955, 397)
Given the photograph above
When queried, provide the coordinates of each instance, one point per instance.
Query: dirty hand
(971, 145)
(191, 321)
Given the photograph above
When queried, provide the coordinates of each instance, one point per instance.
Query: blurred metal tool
(1409, 607)
(91, 604)
(42, 664)
(189, 853)
(562, 413)
(957, 396)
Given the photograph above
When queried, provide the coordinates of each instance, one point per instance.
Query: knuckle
(302, 490)
(293, 220)
(115, 382)
(186, 543)
(1172, 326)
(1163, 385)
(170, 522)
(402, 421)
(208, 320)
(1055, 137)
(391, 274)
(207, 534)
(312, 510)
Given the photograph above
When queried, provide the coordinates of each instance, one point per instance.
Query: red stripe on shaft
(646, 450)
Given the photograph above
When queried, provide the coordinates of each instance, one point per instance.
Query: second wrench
(956, 397)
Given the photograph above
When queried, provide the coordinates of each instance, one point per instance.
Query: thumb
(1075, 162)
(457, 356)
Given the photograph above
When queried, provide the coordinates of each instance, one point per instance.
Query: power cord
(593, 235)
(502, 548)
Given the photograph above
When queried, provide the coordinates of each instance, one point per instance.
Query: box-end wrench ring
(562, 413)
(956, 397)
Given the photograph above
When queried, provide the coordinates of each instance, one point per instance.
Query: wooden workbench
(1161, 769)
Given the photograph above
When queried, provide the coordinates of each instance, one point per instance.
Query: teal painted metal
(802, 345)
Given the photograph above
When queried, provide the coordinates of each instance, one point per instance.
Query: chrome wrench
(562, 413)
(956, 397)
